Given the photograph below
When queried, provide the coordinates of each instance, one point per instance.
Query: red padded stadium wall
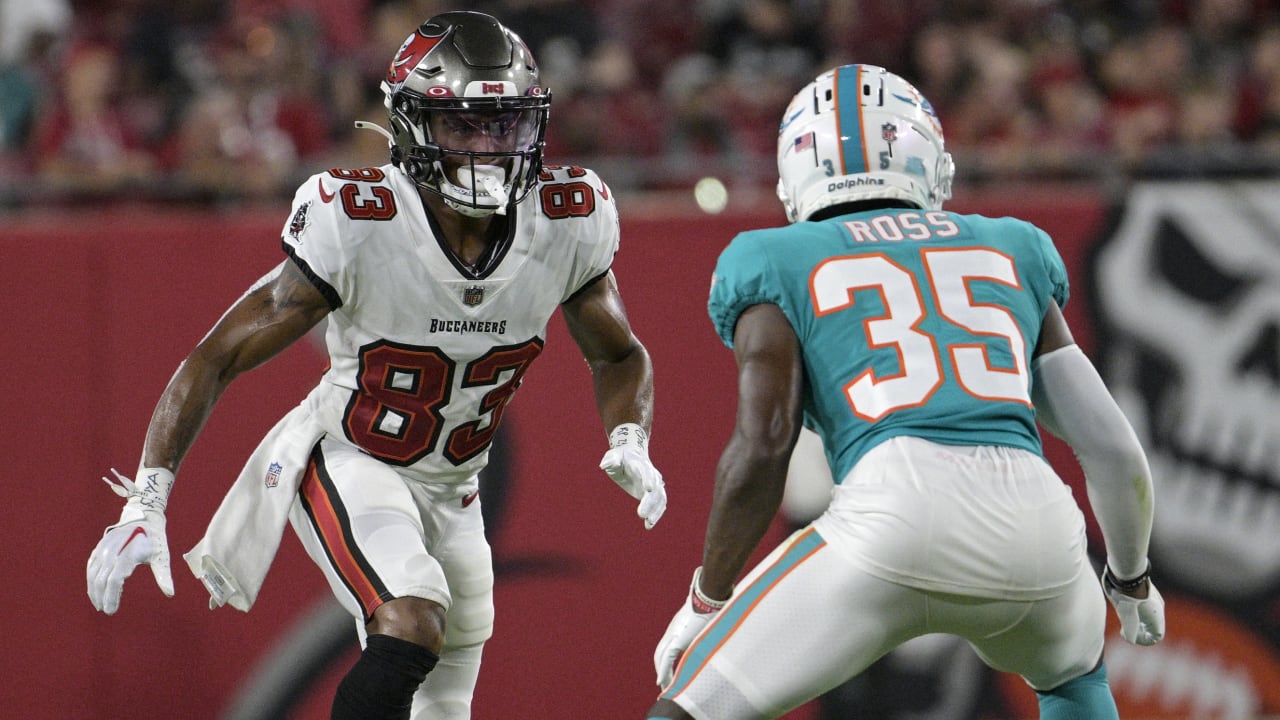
(100, 307)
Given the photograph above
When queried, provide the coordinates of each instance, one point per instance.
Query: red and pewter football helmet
(468, 117)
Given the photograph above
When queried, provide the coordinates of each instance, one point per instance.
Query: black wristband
(1126, 585)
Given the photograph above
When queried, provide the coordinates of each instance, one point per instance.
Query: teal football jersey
(910, 322)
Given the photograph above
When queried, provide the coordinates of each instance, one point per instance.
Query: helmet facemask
(467, 116)
(480, 155)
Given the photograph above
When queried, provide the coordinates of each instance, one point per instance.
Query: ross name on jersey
(468, 326)
(903, 226)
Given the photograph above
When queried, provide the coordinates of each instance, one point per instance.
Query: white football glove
(627, 462)
(694, 615)
(137, 538)
(1141, 620)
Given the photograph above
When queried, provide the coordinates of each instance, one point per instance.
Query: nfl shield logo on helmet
(473, 296)
(273, 474)
(889, 133)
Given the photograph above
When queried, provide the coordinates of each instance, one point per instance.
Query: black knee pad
(380, 686)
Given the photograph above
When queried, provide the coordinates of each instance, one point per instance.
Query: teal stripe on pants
(727, 622)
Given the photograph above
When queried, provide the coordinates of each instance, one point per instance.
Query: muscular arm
(1054, 332)
(752, 471)
(621, 372)
(261, 324)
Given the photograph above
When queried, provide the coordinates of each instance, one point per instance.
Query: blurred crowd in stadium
(235, 100)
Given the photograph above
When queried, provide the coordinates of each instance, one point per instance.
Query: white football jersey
(424, 352)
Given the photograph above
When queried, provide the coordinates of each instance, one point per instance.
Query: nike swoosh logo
(136, 532)
(325, 197)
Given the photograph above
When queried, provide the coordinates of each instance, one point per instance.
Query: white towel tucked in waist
(236, 551)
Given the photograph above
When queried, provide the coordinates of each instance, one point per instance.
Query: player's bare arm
(752, 470)
(622, 377)
(261, 324)
(750, 478)
(621, 372)
(1054, 332)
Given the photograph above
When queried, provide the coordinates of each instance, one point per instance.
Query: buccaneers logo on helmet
(415, 47)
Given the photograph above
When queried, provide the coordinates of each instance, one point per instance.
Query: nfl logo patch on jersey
(473, 296)
(273, 474)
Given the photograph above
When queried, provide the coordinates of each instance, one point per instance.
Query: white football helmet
(859, 132)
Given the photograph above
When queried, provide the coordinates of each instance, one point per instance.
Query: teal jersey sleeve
(1041, 268)
(1055, 270)
(744, 276)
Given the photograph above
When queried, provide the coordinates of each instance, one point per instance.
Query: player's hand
(627, 462)
(697, 611)
(138, 538)
(1141, 618)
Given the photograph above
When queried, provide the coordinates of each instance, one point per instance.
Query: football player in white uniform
(438, 273)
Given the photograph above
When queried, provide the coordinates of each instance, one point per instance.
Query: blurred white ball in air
(711, 195)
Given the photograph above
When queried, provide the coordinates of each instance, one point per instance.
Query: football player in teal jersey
(923, 347)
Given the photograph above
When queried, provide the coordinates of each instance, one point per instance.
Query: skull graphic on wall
(1188, 290)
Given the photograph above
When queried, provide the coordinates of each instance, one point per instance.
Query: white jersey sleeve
(320, 235)
(581, 208)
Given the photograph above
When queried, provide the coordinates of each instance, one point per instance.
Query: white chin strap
(489, 183)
